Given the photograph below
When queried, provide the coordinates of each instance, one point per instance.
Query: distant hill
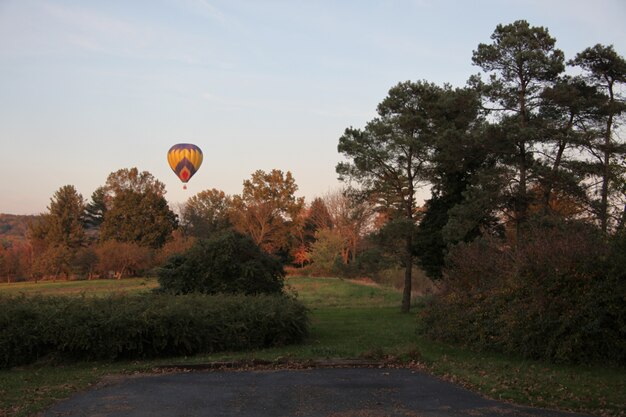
(13, 227)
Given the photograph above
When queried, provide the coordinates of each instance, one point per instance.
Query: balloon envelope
(184, 159)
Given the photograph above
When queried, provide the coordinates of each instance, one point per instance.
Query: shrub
(559, 295)
(153, 325)
(228, 262)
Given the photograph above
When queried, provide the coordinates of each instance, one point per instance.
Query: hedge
(147, 326)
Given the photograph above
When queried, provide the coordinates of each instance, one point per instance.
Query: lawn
(93, 288)
(348, 320)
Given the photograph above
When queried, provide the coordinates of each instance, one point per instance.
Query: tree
(145, 219)
(567, 112)
(462, 148)
(122, 258)
(316, 217)
(14, 260)
(206, 212)
(59, 233)
(85, 262)
(54, 260)
(63, 224)
(521, 61)
(606, 70)
(326, 251)
(137, 211)
(390, 158)
(130, 179)
(96, 208)
(179, 244)
(351, 218)
(268, 210)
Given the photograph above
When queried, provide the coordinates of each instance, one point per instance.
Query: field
(349, 320)
(77, 288)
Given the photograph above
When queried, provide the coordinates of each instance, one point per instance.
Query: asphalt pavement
(355, 392)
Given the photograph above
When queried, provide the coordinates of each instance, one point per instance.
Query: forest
(524, 232)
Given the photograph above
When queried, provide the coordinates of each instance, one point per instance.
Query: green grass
(348, 320)
(96, 287)
(338, 293)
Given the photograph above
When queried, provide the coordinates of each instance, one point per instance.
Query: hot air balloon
(184, 159)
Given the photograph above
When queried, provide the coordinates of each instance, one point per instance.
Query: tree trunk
(521, 200)
(606, 174)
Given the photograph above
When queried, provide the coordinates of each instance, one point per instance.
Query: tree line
(128, 228)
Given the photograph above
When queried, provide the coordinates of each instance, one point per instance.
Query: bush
(560, 296)
(152, 325)
(228, 262)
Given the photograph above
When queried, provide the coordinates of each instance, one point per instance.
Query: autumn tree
(206, 212)
(121, 259)
(268, 210)
(130, 179)
(390, 158)
(14, 260)
(137, 211)
(316, 217)
(179, 243)
(351, 218)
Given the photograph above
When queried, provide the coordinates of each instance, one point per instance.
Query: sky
(88, 87)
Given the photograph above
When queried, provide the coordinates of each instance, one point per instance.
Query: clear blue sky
(89, 87)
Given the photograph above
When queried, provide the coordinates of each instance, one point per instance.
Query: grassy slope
(348, 321)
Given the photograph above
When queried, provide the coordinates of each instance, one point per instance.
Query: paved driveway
(363, 392)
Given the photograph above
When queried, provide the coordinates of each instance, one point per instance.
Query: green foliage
(605, 70)
(65, 218)
(558, 296)
(116, 327)
(136, 210)
(227, 262)
(58, 234)
(96, 208)
(206, 212)
(348, 320)
(392, 156)
(325, 252)
(131, 213)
